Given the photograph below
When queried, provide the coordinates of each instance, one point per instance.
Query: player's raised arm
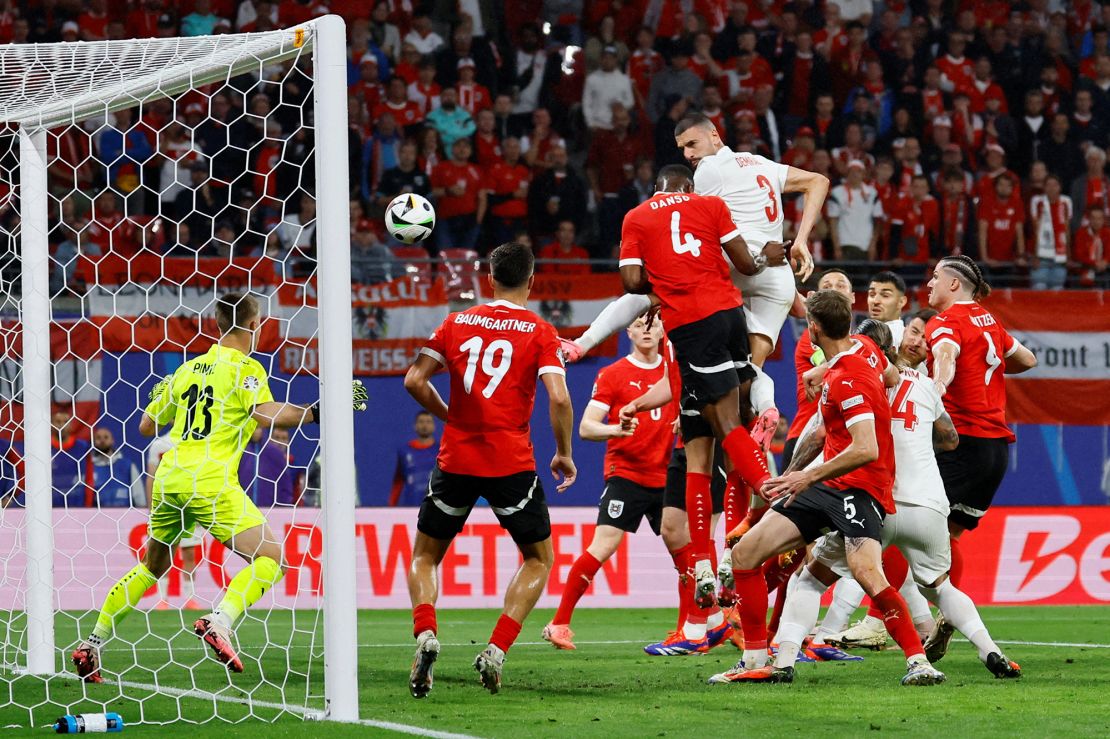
(944, 365)
(809, 444)
(562, 423)
(419, 386)
(815, 187)
(863, 450)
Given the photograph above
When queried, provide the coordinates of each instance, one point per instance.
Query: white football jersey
(158, 446)
(897, 331)
(914, 408)
(751, 186)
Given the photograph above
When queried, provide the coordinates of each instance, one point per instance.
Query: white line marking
(309, 714)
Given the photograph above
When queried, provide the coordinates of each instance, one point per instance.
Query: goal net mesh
(178, 169)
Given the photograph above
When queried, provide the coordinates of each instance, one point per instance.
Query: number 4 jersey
(494, 355)
(677, 239)
(210, 401)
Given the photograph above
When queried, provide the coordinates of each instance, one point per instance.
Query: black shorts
(624, 503)
(517, 500)
(674, 495)
(713, 357)
(821, 509)
(972, 473)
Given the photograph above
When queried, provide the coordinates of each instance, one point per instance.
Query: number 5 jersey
(494, 354)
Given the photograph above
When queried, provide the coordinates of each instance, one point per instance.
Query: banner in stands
(1022, 556)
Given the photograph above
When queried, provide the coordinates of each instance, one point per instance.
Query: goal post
(44, 87)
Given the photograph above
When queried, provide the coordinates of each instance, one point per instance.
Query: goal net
(139, 181)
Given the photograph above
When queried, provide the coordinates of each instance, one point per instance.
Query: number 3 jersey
(677, 239)
(494, 355)
(976, 399)
(751, 186)
(209, 400)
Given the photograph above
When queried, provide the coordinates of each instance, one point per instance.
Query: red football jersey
(853, 392)
(642, 457)
(803, 362)
(1003, 221)
(976, 399)
(494, 353)
(677, 239)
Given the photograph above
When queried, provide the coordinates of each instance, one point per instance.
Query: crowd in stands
(947, 126)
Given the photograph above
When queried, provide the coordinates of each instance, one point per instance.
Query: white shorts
(921, 534)
(768, 297)
(829, 551)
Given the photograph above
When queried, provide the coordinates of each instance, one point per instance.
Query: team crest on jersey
(824, 394)
(250, 382)
(616, 508)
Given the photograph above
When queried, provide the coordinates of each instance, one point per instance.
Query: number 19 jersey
(210, 401)
(677, 239)
(494, 355)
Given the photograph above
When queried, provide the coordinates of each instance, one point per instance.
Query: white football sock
(715, 620)
(755, 658)
(847, 595)
(919, 609)
(959, 610)
(164, 588)
(799, 614)
(188, 585)
(616, 316)
(762, 391)
(693, 631)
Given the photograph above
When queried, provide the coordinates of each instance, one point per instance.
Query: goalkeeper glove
(359, 396)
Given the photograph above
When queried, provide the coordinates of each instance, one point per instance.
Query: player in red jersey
(674, 245)
(850, 492)
(970, 353)
(493, 353)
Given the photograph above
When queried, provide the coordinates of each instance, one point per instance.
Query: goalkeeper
(214, 403)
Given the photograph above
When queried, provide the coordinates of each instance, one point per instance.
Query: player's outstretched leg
(258, 546)
(762, 395)
(605, 543)
(524, 590)
(120, 601)
(427, 553)
(959, 611)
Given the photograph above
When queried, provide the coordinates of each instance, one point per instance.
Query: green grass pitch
(609, 687)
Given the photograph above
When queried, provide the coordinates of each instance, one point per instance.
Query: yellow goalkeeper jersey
(209, 399)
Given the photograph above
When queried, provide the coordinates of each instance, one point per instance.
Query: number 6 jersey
(494, 355)
(677, 239)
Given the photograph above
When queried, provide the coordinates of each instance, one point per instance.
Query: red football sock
(699, 512)
(424, 619)
(504, 633)
(683, 565)
(747, 458)
(581, 575)
(899, 625)
(737, 501)
(956, 571)
(753, 607)
(896, 569)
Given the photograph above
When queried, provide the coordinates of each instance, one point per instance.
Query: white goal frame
(326, 38)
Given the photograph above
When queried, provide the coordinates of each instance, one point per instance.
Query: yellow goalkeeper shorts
(224, 514)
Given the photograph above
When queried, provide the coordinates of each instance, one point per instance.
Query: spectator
(425, 90)
(486, 141)
(264, 472)
(852, 151)
(380, 153)
(805, 74)
(606, 36)
(847, 63)
(562, 256)
(201, 22)
(712, 108)
(666, 151)
(405, 177)
(983, 87)
(821, 123)
(557, 194)
(372, 262)
(1087, 129)
(124, 150)
(508, 196)
(917, 226)
(675, 79)
(422, 37)
(957, 235)
(995, 165)
(610, 165)
(539, 141)
(801, 149)
(368, 88)
(854, 214)
(604, 87)
(1002, 227)
(702, 62)
(1061, 153)
(409, 64)
(452, 122)
(640, 188)
(108, 230)
(416, 459)
(1032, 132)
(93, 22)
(383, 33)
(405, 112)
(70, 478)
(909, 164)
(528, 67)
(429, 154)
(297, 232)
(1050, 215)
(473, 97)
(1091, 241)
(180, 242)
(644, 64)
(116, 480)
(1092, 188)
(504, 122)
(460, 199)
(201, 203)
(956, 70)
(744, 80)
(179, 155)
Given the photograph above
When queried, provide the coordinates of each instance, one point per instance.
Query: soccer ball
(410, 218)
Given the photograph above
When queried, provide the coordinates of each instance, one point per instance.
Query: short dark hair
(886, 277)
(673, 172)
(690, 121)
(511, 264)
(832, 311)
(925, 314)
(878, 332)
(835, 271)
(234, 311)
(423, 412)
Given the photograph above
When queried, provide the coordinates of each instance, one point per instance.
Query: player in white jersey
(752, 186)
(919, 529)
(189, 544)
